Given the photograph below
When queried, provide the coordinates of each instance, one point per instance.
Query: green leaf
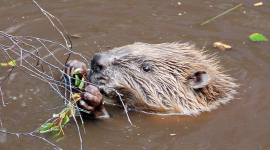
(12, 63)
(60, 139)
(65, 120)
(69, 113)
(63, 113)
(77, 80)
(55, 129)
(77, 72)
(257, 37)
(46, 127)
(56, 132)
(81, 84)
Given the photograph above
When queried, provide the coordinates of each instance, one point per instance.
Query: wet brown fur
(167, 86)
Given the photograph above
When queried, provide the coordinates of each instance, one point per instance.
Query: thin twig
(221, 14)
(50, 109)
(25, 50)
(47, 14)
(31, 134)
(125, 108)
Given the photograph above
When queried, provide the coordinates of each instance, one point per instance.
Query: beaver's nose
(96, 65)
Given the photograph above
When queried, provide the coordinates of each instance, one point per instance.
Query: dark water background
(241, 124)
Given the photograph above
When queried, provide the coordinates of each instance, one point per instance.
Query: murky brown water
(241, 124)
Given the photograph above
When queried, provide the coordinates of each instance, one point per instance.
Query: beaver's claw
(73, 66)
(91, 98)
(92, 101)
(70, 68)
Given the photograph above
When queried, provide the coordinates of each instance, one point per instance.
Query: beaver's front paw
(92, 101)
(73, 66)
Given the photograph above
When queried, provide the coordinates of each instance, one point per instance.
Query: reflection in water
(241, 124)
(3, 136)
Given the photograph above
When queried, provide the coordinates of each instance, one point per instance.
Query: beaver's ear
(198, 79)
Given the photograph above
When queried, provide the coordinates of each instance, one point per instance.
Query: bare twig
(28, 50)
(31, 134)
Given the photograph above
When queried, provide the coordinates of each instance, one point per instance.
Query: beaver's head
(168, 77)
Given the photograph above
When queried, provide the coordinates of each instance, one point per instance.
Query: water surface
(241, 124)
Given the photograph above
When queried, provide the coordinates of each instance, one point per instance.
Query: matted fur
(165, 88)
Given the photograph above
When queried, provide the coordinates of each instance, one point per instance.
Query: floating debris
(75, 36)
(222, 14)
(221, 46)
(258, 4)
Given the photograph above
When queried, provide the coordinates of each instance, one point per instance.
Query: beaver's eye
(146, 68)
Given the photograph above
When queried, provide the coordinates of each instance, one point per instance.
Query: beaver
(92, 101)
(164, 78)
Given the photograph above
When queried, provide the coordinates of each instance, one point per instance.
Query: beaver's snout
(96, 65)
(98, 74)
